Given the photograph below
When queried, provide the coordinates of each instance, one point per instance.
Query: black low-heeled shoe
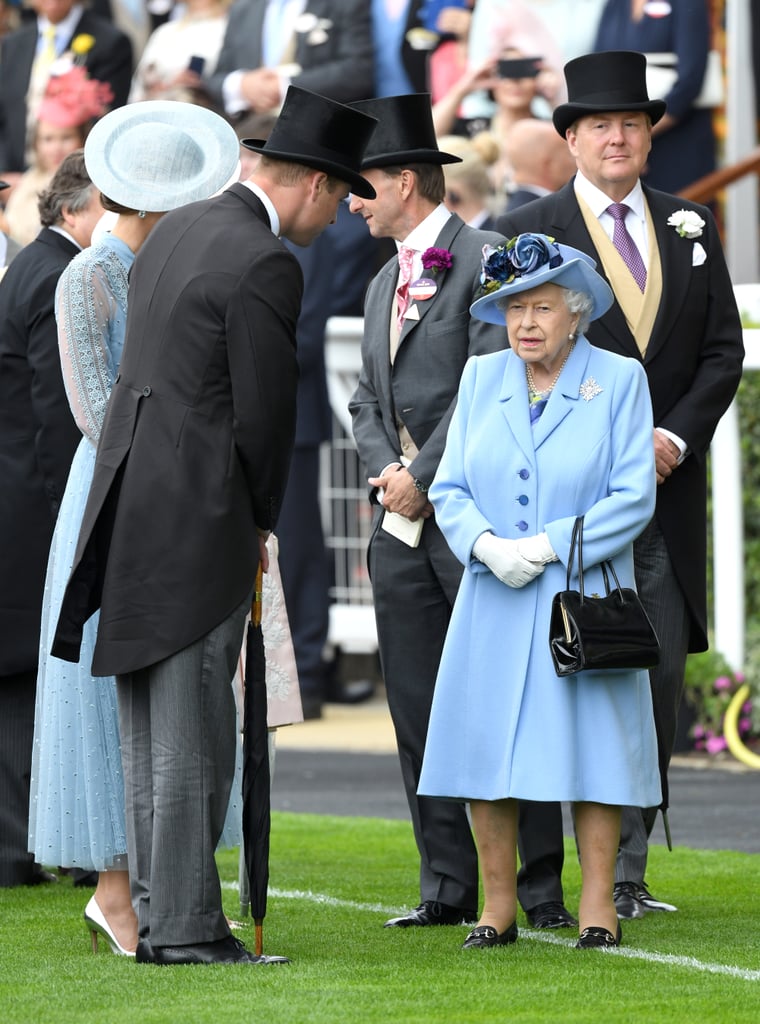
(484, 936)
(598, 938)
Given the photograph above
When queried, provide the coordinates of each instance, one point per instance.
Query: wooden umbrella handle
(257, 595)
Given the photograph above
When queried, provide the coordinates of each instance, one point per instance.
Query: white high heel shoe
(96, 924)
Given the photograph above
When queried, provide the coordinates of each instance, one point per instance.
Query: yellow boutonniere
(82, 44)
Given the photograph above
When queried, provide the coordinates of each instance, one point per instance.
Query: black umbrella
(256, 776)
(663, 760)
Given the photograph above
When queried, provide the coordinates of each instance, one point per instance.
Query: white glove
(537, 549)
(505, 561)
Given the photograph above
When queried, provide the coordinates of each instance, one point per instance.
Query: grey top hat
(320, 133)
(405, 133)
(604, 83)
(160, 154)
(529, 260)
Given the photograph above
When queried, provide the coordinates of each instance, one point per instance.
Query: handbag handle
(577, 540)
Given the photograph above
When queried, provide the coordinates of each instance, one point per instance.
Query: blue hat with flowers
(528, 261)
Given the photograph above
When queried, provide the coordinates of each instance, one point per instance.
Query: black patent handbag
(599, 632)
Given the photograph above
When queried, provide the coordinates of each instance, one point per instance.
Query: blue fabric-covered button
(524, 474)
(523, 499)
(522, 525)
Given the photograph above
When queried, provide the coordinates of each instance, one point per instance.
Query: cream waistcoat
(639, 309)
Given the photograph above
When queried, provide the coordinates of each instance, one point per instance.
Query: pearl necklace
(538, 392)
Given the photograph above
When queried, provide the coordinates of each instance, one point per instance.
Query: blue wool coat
(502, 723)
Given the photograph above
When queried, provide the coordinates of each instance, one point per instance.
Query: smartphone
(519, 67)
(196, 64)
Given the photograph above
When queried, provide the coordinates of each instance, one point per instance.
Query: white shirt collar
(274, 218)
(62, 231)
(427, 231)
(598, 202)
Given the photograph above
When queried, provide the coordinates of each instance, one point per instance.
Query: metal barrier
(346, 511)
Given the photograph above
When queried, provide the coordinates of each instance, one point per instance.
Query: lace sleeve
(85, 307)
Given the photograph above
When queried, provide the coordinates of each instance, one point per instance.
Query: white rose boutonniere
(687, 223)
(316, 29)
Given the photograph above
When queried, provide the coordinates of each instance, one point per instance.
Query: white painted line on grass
(671, 960)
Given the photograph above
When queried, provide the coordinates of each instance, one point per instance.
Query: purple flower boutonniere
(433, 262)
(436, 259)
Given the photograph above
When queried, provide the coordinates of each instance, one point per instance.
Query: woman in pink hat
(71, 103)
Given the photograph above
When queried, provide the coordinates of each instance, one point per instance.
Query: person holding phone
(181, 53)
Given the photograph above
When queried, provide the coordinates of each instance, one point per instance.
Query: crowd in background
(490, 66)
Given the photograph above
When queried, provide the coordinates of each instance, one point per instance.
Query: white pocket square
(412, 313)
(698, 255)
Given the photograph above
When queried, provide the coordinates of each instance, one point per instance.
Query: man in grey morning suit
(401, 411)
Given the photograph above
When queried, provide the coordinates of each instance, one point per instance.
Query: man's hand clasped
(400, 493)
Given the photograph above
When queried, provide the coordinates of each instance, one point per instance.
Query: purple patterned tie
(625, 245)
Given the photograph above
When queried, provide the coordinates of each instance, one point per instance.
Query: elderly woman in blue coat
(550, 429)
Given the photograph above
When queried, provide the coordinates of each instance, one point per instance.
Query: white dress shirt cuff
(232, 93)
(681, 445)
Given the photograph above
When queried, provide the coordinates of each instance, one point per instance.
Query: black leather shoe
(598, 938)
(648, 902)
(430, 912)
(41, 876)
(84, 879)
(485, 936)
(551, 915)
(225, 951)
(626, 897)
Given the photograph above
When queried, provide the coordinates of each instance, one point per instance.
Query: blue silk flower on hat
(521, 255)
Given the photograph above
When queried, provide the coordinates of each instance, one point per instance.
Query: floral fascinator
(72, 99)
(529, 260)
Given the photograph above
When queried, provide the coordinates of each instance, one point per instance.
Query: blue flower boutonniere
(433, 262)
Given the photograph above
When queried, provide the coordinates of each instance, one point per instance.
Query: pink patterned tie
(625, 245)
(405, 258)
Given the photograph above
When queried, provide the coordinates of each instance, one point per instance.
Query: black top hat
(519, 67)
(404, 134)
(320, 133)
(606, 82)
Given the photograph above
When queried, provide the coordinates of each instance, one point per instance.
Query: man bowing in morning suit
(675, 312)
(418, 335)
(191, 467)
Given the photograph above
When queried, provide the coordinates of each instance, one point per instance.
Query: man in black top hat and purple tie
(191, 467)
(675, 312)
(418, 334)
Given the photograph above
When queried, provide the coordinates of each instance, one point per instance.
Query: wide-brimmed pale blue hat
(158, 155)
(530, 260)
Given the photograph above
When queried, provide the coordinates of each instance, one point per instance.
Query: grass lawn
(333, 882)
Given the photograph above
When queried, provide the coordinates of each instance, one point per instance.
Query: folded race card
(403, 529)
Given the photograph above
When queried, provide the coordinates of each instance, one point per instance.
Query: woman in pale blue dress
(77, 805)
